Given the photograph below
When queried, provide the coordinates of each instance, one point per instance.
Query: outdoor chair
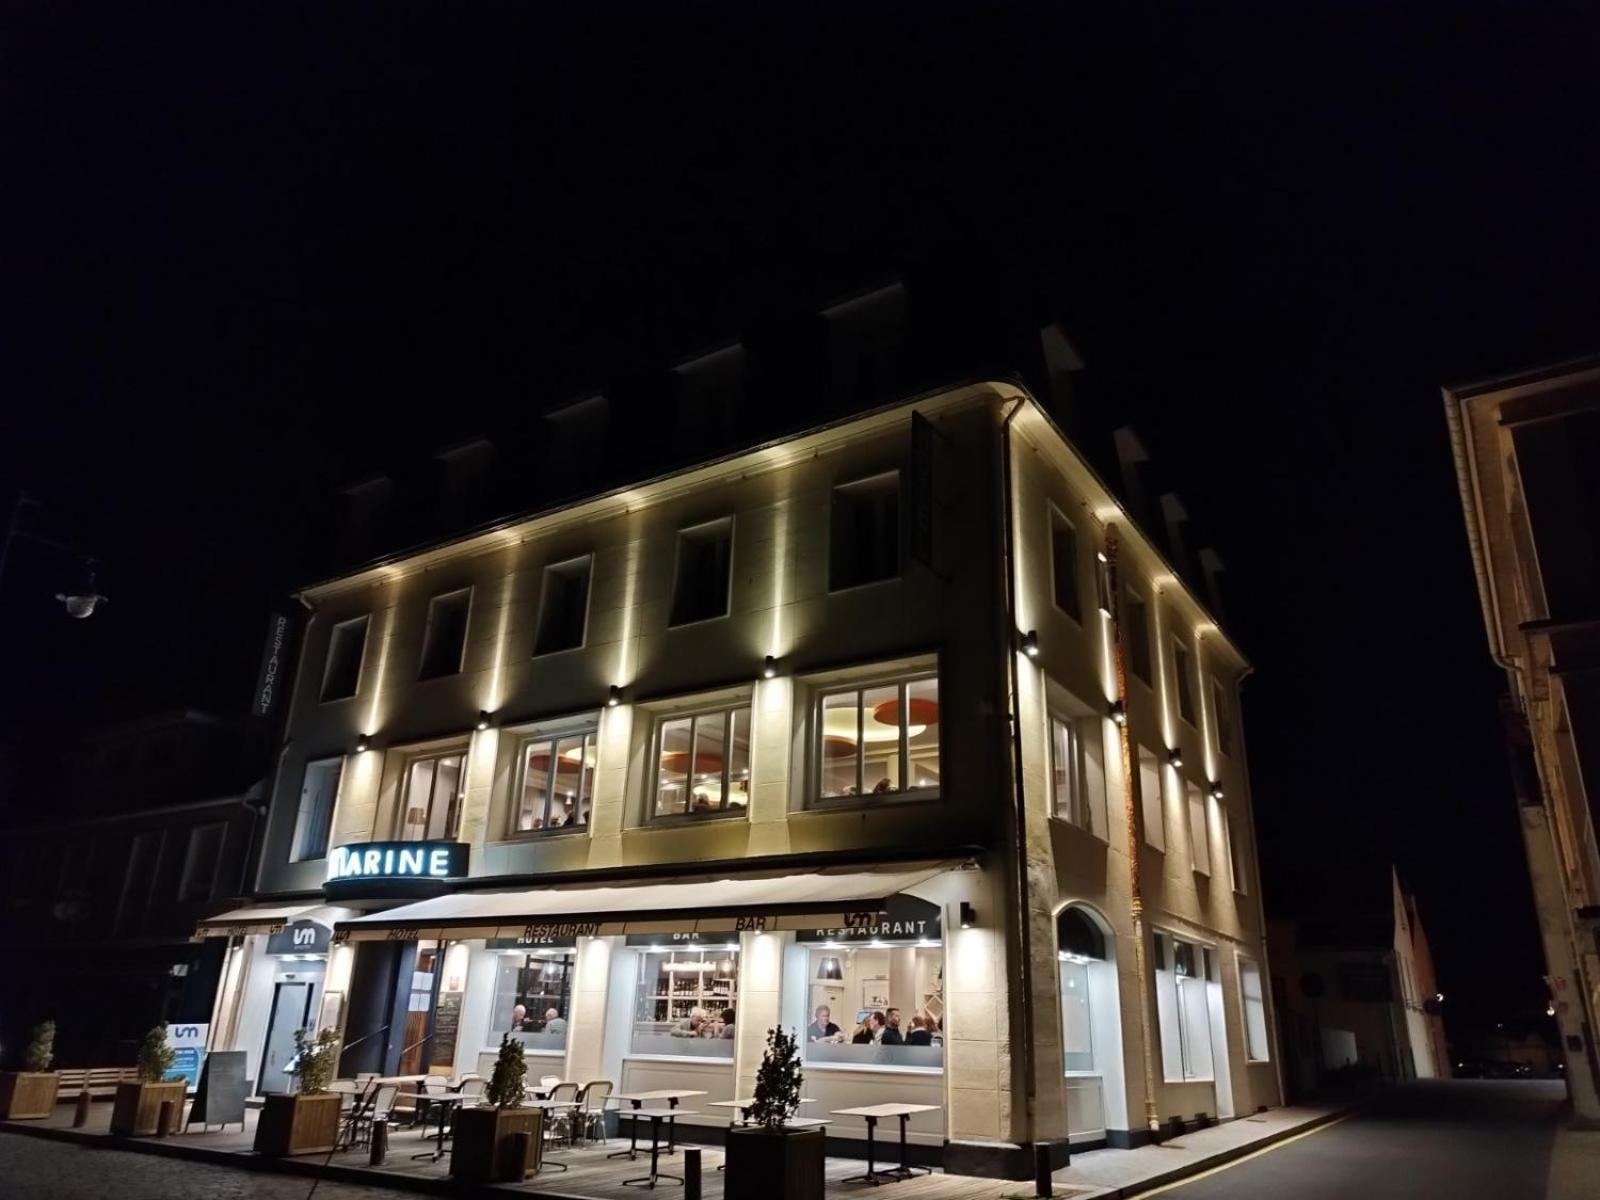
(590, 1117)
(432, 1085)
(473, 1086)
(560, 1124)
(382, 1105)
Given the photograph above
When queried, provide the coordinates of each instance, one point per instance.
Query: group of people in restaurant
(553, 1021)
(877, 1027)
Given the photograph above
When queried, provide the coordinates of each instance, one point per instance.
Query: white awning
(684, 905)
(269, 918)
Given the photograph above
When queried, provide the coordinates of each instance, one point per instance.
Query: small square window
(705, 559)
(864, 544)
(1222, 715)
(200, 862)
(1199, 832)
(1183, 679)
(1136, 629)
(347, 643)
(563, 606)
(1155, 826)
(446, 634)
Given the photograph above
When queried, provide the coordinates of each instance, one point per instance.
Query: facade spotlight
(1100, 556)
(483, 720)
(614, 698)
(1216, 790)
(363, 744)
(968, 915)
(1175, 759)
(1030, 643)
(1119, 712)
(769, 668)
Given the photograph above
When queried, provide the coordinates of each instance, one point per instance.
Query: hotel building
(897, 715)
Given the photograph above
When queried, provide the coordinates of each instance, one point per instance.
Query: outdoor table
(656, 1116)
(871, 1114)
(671, 1096)
(550, 1106)
(447, 1100)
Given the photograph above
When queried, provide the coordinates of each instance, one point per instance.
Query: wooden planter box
(136, 1112)
(27, 1094)
(298, 1124)
(785, 1165)
(485, 1150)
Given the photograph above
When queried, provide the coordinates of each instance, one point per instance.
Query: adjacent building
(1357, 998)
(895, 730)
(1526, 448)
(139, 831)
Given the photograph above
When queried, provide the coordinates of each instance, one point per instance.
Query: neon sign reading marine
(392, 860)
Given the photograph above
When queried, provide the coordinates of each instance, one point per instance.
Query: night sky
(249, 253)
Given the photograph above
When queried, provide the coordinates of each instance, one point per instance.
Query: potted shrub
(307, 1121)
(31, 1092)
(136, 1111)
(486, 1147)
(767, 1159)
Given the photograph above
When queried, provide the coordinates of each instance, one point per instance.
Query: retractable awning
(269, 918)
(692, 905)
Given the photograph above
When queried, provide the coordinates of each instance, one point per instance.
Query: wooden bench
(99, 1082)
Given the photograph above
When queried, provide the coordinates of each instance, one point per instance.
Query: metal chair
(473, 1086)
(591, 1114)
(382, 1105)
(432, 1085)
(561, 1121)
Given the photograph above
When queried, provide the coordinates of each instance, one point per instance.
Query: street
(1462, 1139)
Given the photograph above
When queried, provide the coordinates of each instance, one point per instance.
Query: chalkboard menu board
(219, 1096)
(446, 1027)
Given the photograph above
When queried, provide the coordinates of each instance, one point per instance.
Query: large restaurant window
(1078, 772)
(879, 740)
(703, 764)
(556, 782)
(1183, 971)
(875, 994)
(684, 1001)
(533, 997)
(314, 817)
(431, 807)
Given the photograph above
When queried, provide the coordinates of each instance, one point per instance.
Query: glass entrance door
(291, 1010)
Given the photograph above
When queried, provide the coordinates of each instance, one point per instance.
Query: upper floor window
(347, 643)
(556, 786)
(200, 862)
(1199, 832)
(864, 544)
(703, 763)
(314, 818)
(1256, 1045)
(1064, 565)
(143, 859)
(430, 808)
(1078, 772)
(1183, 679)
(1223, 717)
(705, 557)
(1136, 628)
(880, 739)
(563, 605)
(1155, 825)
(446, 634)
(1237, 873)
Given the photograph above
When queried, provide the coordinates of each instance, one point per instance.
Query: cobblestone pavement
(34, 1169)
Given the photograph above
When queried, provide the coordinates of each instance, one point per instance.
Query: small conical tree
(314, 1060)
(155, 1056)
(778, 1081)
(41, 1051)
(505, 1085)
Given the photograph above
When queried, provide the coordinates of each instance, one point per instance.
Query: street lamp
(79, 605)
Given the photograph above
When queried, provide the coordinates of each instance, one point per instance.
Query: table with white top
(656, 1116)
(638, 1100)
(872, 1114)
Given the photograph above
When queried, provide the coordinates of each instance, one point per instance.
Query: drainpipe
(1022, 937)
(1135, 817)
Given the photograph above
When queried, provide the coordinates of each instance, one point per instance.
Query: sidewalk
(1574, 1165)
(1093, 1175)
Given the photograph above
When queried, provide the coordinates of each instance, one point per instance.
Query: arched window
(1077, 934)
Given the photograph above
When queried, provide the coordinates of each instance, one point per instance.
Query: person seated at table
(691, 1025)
(891, 1035)
(871, 1029)
(727, 1022)
(519, 1019)
(554, 1022)
(920, 1034)
(822, 1028)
